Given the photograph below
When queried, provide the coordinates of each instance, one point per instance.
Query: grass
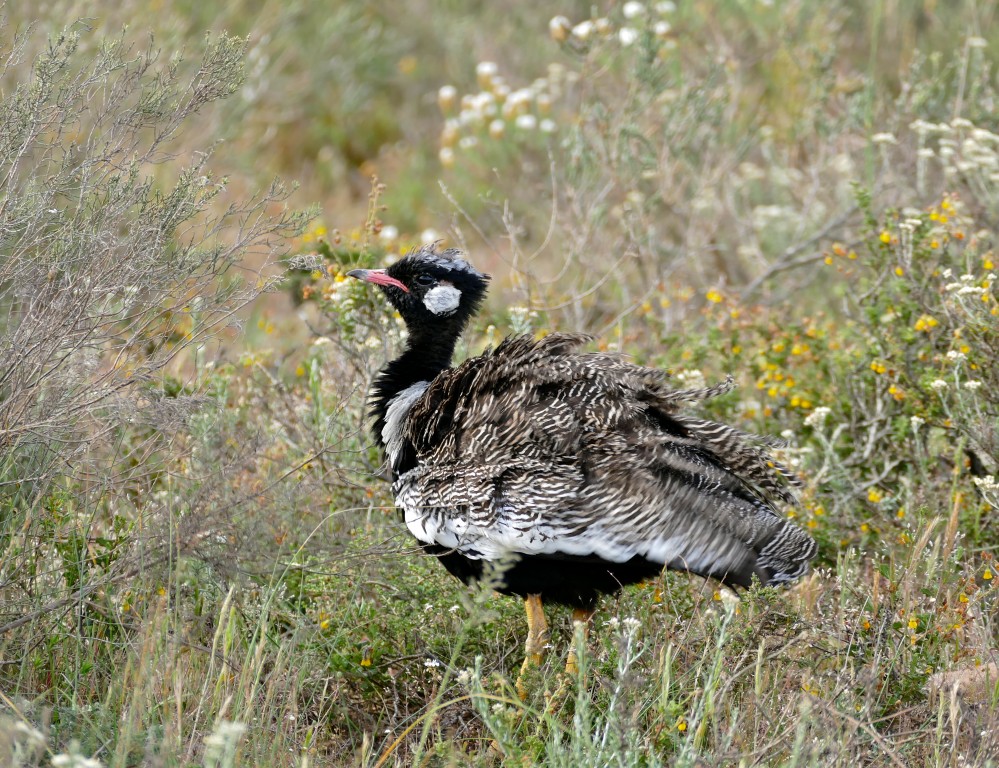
(199, 559)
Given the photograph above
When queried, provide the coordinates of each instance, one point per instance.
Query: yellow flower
(988, 574)
(885, 236)
(913, 623)
(878, 367)
(300, 370)
(681, 725)
(962, 598)
(407, 65)
(988, 263)
(713, 296)
(874, 496)
(865, 528)
(899, 271)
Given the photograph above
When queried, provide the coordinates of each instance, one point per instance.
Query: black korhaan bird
(583, 471)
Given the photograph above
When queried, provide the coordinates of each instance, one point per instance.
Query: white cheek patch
(443, 299)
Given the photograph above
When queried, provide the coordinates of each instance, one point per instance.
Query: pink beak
(376, 276)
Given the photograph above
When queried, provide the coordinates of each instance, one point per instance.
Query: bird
(577, 472)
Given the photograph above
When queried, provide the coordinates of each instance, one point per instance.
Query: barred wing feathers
(538, 449)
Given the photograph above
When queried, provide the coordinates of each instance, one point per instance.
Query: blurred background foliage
(199, 560)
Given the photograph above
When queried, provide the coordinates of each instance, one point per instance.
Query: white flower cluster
(989, 489)
(690, 378)
(522, 319)
(497, 107)
(636, 14)
(968, 285)
(817, 418)
(962, 147)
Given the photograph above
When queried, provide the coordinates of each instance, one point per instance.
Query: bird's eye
(425, 279)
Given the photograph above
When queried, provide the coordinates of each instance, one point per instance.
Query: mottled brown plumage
(584, 471)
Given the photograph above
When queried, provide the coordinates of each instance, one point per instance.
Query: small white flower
(464, 678)
(603, 26)
(633, 9)
(486, 70)
(389, 234)
(977, 42)
(955, 356)
(661, 29)
(547, 126)
(938, 384)
(446, 97)
(627, 36)
(916, 422)
(787, 434)
(583, 30)
(526, 122)
(884, 138)
(431, 663)
(559, 28)
(428, 236)
(972, 385)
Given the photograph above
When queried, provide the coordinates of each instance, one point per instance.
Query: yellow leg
(537, 638)
(584, 617)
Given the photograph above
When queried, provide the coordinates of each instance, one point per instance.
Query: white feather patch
(395, 417)
(442, 300)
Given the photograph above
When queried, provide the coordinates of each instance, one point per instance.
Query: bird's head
(434, 290)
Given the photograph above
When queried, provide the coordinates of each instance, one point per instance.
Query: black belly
(573, 580)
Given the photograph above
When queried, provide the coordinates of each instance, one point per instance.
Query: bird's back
(538, 449)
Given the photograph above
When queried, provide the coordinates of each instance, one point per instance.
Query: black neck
(425, 356)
